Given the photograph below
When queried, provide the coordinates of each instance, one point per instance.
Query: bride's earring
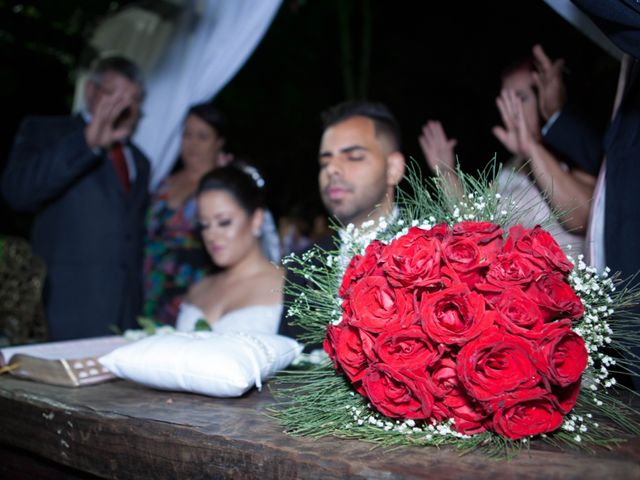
(256, 227)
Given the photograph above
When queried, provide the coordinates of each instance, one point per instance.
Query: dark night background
(437, 60)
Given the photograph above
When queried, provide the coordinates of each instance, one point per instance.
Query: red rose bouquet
(451, 323)
(455, 323)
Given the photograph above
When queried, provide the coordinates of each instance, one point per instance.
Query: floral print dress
(174, 259)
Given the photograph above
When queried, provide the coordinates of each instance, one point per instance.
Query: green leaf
(148, 325)
(202, 326)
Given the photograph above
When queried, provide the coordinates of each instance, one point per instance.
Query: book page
(68, 349)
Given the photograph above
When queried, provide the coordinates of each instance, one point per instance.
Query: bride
(246, 294)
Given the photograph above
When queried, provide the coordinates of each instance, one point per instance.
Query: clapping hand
(552, 93)
(437, 148)
(515, 134)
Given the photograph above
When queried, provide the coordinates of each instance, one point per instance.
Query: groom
(360, 162)
(360, 167)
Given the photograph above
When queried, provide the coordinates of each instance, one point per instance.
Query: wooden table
(122, 430)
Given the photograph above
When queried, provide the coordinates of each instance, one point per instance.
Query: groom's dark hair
(385, 123)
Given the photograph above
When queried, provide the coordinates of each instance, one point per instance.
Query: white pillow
(209, 363)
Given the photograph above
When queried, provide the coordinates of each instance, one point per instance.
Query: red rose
(509, 270)
(413, 260)
(453, 315)
(396, 395)
(528, 412)
(440, 232)
(463, 255)
(330, 341)
(347, 311)
(566, 397)
(376, 307)
(351, 347)
(440, 412)
(466, 259)
(407, 348)
(472, 247)
(482, 232)
(496, 364)
(539, 246)
(442, 380)
(444, 377)
(361, 265)
(555, 297)
(519, 314)
(469, 416)
(562, 355)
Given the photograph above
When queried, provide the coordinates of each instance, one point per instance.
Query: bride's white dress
(254, 318)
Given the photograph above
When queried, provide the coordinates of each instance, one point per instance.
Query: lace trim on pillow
(256, 344)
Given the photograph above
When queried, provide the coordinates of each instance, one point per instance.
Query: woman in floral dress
(174, 255)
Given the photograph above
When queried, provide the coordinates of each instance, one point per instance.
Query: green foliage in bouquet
(569, 395)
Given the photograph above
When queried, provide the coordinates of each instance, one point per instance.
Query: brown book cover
(71, 363)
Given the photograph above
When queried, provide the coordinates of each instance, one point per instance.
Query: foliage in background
(56, 30)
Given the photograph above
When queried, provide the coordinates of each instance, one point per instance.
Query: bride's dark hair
(241, 180)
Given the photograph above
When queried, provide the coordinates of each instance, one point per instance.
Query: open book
(71, 363)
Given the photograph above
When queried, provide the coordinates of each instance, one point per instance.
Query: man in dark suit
(87, 185)
(615, 219)
(360, 167)
(614, 224)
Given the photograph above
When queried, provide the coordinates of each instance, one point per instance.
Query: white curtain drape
(211, 42)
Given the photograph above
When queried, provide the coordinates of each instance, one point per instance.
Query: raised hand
(114, 114)
(508, 132)
(515, 134)
(437, 148)
(552, 93)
